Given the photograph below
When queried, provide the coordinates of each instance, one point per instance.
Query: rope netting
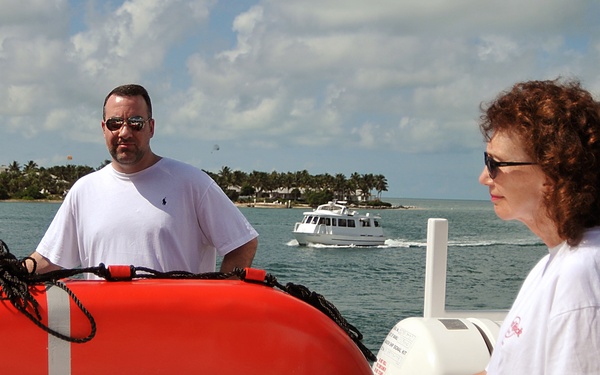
(16, 282)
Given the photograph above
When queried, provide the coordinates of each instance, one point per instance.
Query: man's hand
(43, 265)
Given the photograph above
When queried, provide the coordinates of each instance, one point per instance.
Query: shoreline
(238, 204)
(31, 200)
(308, 207)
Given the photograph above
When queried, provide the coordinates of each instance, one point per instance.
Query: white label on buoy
(396, 346)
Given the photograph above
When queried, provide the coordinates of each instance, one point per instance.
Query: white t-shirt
(553, 326)
(168, 217)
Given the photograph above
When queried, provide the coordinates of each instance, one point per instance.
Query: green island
(32, 182)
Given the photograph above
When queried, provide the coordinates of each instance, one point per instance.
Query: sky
(391, 87)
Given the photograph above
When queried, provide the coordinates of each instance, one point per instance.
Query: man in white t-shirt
(143, 209)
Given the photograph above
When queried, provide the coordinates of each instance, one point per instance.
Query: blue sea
(373, 288)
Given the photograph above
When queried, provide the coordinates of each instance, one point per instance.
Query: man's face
(129, 148)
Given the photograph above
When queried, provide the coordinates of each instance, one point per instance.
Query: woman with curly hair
(542, 167)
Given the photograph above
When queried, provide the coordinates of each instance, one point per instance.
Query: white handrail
(434, 303)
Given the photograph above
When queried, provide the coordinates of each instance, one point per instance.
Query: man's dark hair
(128, 91)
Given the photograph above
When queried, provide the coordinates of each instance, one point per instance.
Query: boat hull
(338, 239)
(178, 327)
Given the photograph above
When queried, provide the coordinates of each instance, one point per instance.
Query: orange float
(176, 327)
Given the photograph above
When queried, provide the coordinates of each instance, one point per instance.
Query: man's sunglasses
(115, 123)
(493, 165)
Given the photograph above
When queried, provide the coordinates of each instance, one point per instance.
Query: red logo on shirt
(514, 328)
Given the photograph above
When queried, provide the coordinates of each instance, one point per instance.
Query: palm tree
(271, 182)
(380, 185)
(354, 183)
(327, 182)
(4, 179)
(14, 168)
(224, 178)
(30, 168)
(367, 183)
(239, 178)
(287, 181)
(258, 180)
(339, 186)
(302, 179)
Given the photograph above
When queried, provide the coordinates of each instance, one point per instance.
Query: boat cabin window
(376, 223)
(307, 219)
(328, 221)
(315, 220)
(364, 222)
(342, 222)
(333, 222)
(321, 220)
(351, 223)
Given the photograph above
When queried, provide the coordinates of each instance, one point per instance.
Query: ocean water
(373, 288)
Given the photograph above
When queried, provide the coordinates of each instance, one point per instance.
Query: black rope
(322, 304)
(15, 281)
(135, 273)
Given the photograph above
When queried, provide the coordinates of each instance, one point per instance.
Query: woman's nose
(484, 177)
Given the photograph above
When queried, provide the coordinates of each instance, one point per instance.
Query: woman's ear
(548, 184)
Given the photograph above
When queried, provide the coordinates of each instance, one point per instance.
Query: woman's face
(516, 191)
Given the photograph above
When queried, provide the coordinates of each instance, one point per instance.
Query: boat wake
(389, 243)
(404, 243)
(478, 242)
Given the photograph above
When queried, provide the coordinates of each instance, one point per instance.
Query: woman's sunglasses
(493, 165)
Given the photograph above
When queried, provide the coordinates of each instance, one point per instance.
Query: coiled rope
(15, 283)
(16, 280)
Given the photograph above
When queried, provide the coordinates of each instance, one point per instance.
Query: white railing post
(435, 268)
(436, 264)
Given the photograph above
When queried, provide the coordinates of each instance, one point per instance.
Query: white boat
(334, 224)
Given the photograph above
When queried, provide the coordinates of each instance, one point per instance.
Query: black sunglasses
(115, 123)
(493, 165)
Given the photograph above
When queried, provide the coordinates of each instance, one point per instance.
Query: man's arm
(241, 257)
(43, 265)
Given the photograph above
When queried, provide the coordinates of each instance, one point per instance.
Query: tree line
(34, 182)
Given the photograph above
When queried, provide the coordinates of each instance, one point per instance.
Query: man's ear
(151, 125)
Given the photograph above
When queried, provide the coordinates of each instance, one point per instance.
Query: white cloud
(46, 70)
(398, 76)
(244, 25)
(134, 39)
(497, 49)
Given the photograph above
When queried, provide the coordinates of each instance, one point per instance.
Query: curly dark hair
(128, 91)
(559, 124)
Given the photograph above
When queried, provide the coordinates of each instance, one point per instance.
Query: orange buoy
(177, 327)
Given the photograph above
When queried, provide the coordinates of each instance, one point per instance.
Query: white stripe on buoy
(59, 319)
